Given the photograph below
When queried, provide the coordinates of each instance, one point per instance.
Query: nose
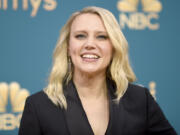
(90, 43)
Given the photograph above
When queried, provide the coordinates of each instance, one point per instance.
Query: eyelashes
(99, 37)
(80, 36)
(102, 37)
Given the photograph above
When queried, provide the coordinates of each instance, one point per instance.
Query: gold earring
(69, 64)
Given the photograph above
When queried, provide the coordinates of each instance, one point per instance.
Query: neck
(91, 87)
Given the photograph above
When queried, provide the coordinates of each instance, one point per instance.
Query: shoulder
(41, 105)
(38, 96)
(136, 87)
(39, 100)
(136, 96)
(135, 90)
(40, 113)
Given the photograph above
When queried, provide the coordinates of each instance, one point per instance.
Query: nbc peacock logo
(10, 117)
(147, 18)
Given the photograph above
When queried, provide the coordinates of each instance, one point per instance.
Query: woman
(90, 90)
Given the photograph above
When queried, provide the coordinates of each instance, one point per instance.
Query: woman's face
(89, 45)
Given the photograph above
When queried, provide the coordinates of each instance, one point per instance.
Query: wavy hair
(119, 70)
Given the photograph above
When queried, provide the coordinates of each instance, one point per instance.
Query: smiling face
(89, 45)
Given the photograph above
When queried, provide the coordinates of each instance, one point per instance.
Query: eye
(102, 37)
(80, 36)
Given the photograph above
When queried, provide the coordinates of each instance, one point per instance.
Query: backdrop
(29, 30)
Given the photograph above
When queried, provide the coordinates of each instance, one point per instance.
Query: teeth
(90, 56)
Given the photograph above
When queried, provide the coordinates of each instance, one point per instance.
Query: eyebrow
(83, 31)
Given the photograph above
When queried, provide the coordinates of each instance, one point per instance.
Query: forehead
(87, 21)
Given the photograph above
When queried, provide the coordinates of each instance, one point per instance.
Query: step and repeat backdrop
(29, 30)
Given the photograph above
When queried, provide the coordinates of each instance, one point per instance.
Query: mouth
(90, 57)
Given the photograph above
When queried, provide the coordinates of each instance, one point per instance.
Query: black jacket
(136, 114)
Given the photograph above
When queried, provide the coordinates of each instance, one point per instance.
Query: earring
(69, 64)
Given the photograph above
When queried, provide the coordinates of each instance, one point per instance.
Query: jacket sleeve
(29, 124)
(157, 122)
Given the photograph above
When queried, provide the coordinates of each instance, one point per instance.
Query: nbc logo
(17, 97)
(130, 16)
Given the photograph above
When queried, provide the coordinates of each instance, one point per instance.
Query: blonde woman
(90, 90)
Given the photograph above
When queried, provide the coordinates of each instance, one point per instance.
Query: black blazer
(136, 114)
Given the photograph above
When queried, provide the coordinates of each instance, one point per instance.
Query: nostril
(90, 45)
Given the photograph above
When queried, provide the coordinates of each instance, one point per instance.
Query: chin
(91, 71)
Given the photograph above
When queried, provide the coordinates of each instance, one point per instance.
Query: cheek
(70, 49)
(73, 50)
(108, 50)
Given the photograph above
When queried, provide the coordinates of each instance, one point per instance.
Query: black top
(136, 114)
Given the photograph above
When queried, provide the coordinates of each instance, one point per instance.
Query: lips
(90, 56)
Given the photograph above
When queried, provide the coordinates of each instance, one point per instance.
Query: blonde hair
(120, 70)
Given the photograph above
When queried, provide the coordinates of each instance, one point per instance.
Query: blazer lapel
(76, 119)
(116, 111)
